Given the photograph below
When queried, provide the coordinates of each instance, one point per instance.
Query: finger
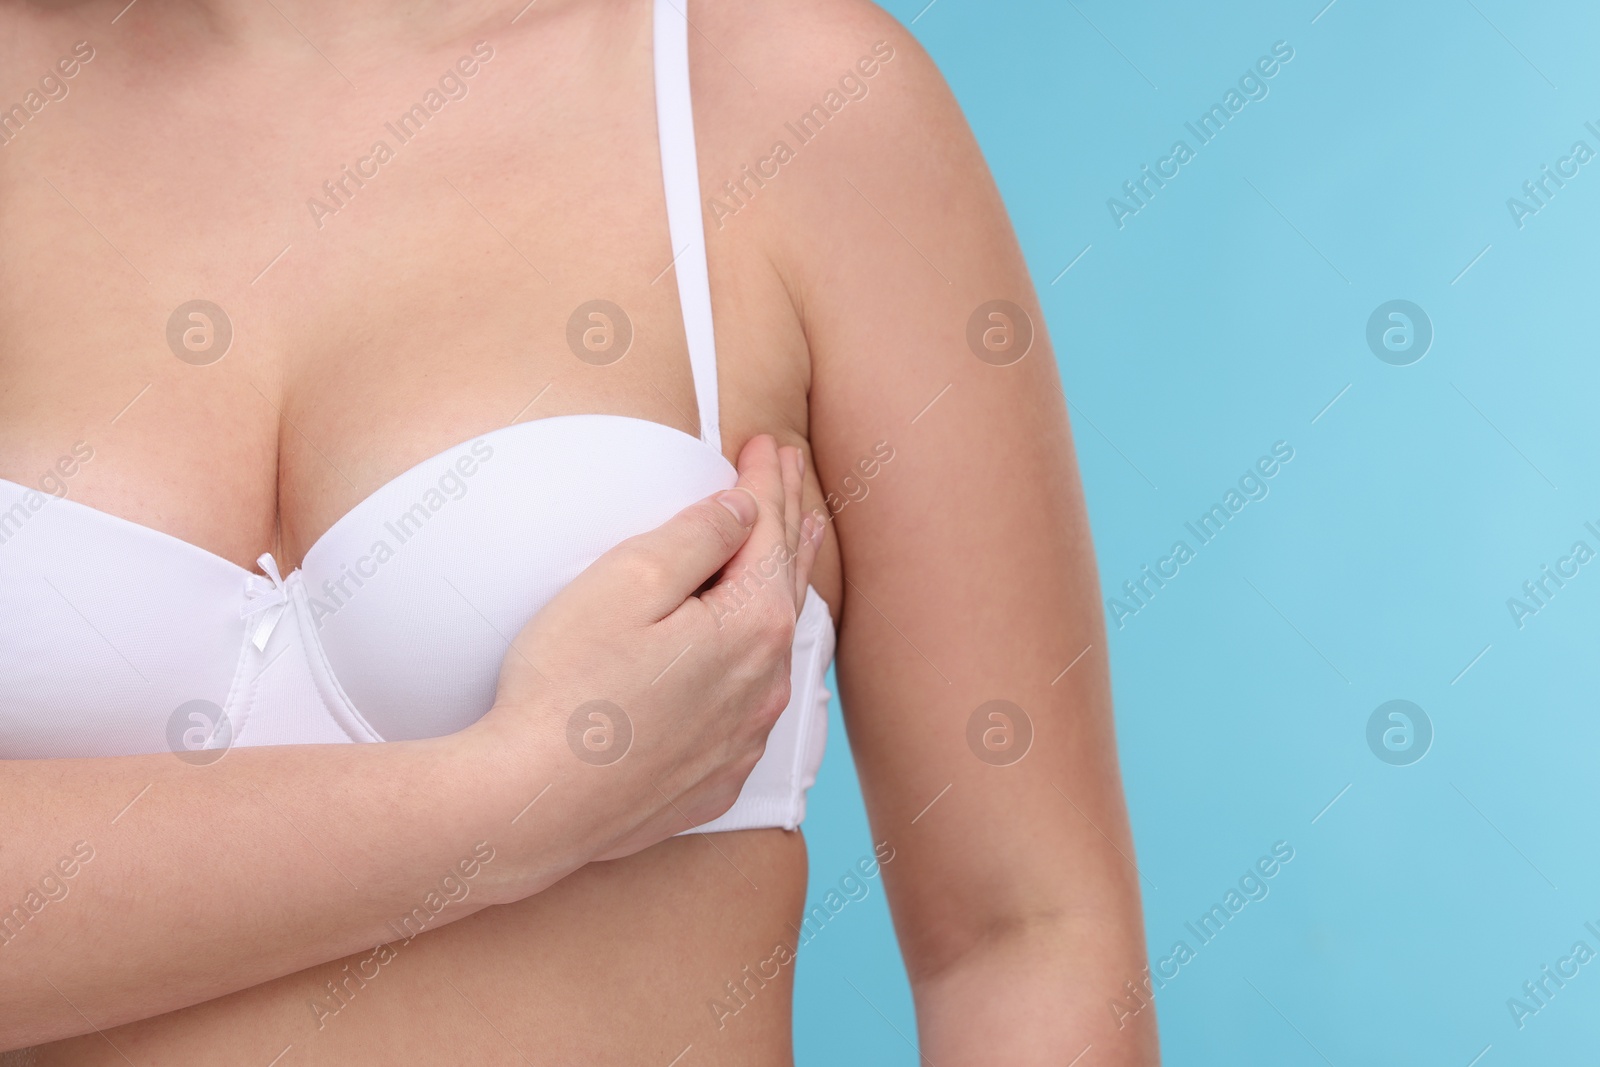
(812, 530)
(792, 462)
(750, 574)
(667, 564)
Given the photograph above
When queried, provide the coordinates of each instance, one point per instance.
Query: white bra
(113, 634)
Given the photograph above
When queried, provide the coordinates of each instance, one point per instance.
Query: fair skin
(432, 307)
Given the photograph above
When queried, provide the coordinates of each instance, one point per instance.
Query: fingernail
(742, 503)
(817, 531)
(805, 528)
(800, 461)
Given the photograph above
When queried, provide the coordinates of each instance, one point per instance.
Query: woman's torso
(399, 318)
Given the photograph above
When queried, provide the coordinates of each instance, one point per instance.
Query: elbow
(944, 947)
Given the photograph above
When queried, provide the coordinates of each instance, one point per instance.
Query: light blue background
(1221, 319)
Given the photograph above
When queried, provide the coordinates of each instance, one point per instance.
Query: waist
(627, 961)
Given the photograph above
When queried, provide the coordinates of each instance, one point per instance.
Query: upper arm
(969, 572)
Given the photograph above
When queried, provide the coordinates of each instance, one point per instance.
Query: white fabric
(680, 173)
(396, 624)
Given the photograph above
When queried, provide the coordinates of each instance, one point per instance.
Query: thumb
(665, 566)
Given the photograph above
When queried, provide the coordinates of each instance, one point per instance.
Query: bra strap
(680, 173)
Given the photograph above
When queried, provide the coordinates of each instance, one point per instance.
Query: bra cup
(415, 595)
(287, 695)
(106, 629)
(395, 627)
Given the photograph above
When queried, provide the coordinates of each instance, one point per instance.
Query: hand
(699, 672)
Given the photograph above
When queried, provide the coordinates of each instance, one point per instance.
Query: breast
(415, 594)
(393, 628)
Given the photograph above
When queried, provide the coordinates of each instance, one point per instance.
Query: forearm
(189, 882)
(1041, 994)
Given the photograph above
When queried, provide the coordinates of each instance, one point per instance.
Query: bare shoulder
(800, 95)
(833, 150)
(796, 40)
